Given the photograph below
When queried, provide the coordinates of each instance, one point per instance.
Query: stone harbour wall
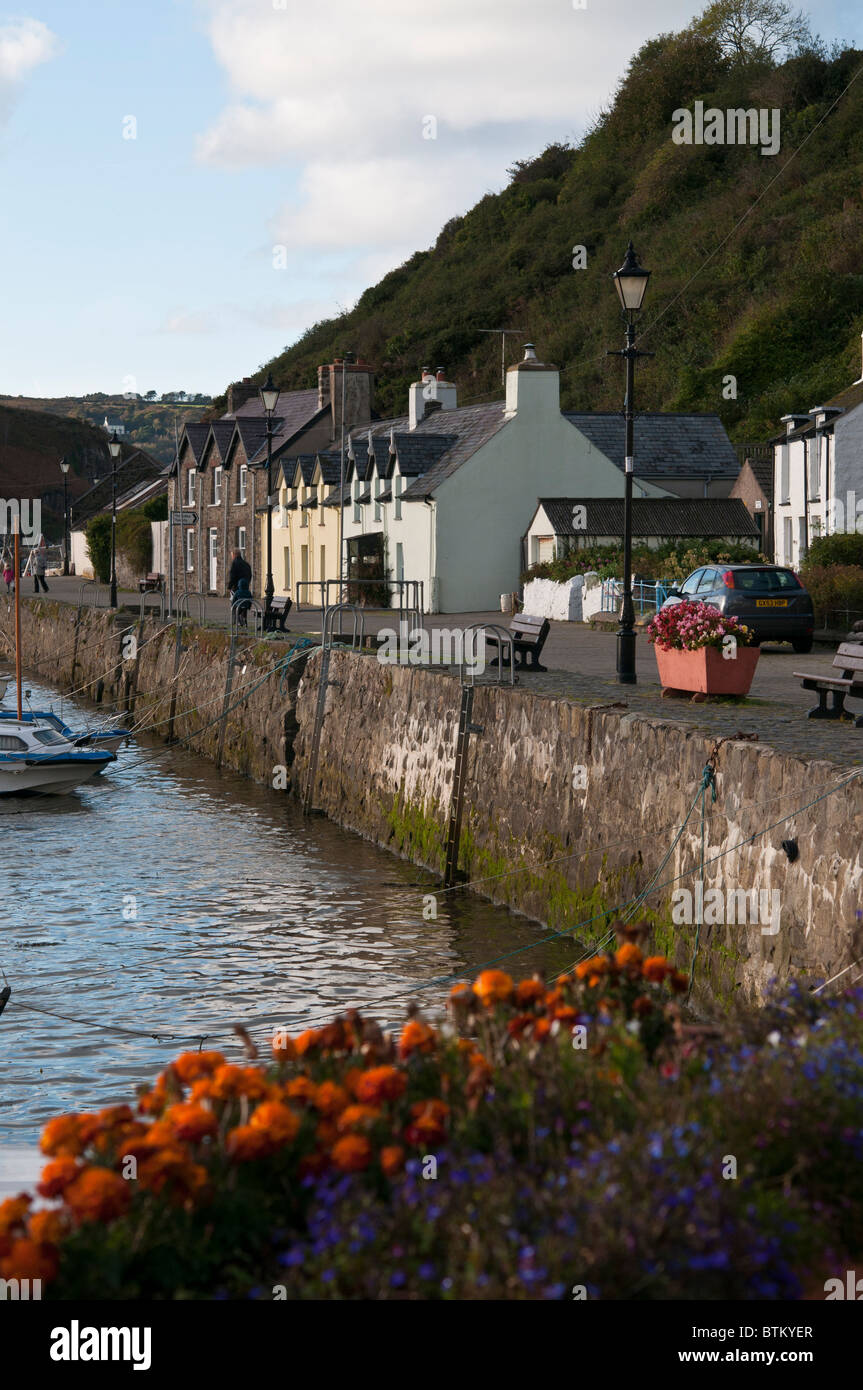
(569, 810)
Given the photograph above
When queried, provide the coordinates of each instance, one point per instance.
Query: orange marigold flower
(566, 1014)
(330, 1098)
(357, 1117)
(29, 1260)
(47, 1227)
(13, 1212)
(277, 1120)
(519, 1024)
(309, 1039)
(57, 1176)
(326, 1132)
(655, 968)
(541, 1029)
(528, 992)
(493, 987)
(379, 1084)
(597, 965)
(246, 1142)
(192, 1066)
(229, 1083)
(300, 1088)
(169, 1170)
(462, 989)
(97, 1195)
(417, 1037)
(191, 1122)
(152, 1100)
(352, 1153)
(61, 1137)
(392, 1159)
(628, 954)
(679, 981)
(427, 1123)
(282, 1047)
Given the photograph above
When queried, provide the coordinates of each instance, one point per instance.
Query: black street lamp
(64, 469)
(269, 398)
(631, 284)
(114, 447)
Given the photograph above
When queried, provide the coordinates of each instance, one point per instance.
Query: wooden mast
(18, 617)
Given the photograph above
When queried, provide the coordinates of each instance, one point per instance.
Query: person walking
(8, 575)
(240, 569)
(242, 602)
(39, 570)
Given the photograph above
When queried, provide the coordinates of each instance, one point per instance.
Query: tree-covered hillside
(756, 259)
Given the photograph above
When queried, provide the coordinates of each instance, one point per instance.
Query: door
(214, 565)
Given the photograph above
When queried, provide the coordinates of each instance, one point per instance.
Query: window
(10, 744)
(304, 511)
(241, 540)
(358, 511)
(708, 581)
(321, 517)
(190, 496)
(190, 551)
(323, 573)
(217, 486)
(784, 474)
(400, 560)
(49, 736)
(787, 541)
(377, 489)
(242, 479)
(692, 583)
(815, 469)
(801, 539)
(765, 581)
(398, 489)
(287, 568)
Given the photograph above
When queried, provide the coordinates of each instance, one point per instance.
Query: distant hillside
(31, 445)
(149, 425)
(779, 306)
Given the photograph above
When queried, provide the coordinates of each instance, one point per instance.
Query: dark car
(769, 599)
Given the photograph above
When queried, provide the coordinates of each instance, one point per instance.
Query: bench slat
(825, 682)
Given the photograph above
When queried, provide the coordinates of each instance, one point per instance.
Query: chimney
(239, 392)
(359, 385)
(431, 392)
(532, 387)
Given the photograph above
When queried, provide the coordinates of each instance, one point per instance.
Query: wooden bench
(849, 661)
(151, 585)
(528, 640)
(279, 610)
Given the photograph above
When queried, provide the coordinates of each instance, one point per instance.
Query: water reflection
(168, 898)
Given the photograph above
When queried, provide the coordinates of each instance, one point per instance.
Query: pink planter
(706, 671)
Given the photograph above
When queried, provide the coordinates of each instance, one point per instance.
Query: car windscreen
(756, 581)
(48, 736)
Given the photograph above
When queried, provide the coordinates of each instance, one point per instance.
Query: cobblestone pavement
(581, 666)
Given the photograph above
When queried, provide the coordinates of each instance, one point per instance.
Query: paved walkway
(581, 666)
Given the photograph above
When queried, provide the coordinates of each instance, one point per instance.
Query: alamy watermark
(736, 126)
(22, 515)
(442, 647)
(732, 907)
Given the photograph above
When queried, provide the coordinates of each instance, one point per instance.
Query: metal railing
(182, 606)
(152, 593)
(410, 594)
(241, 610)
(645, 596)
(98, 586)
(467, 670)
(358, 634)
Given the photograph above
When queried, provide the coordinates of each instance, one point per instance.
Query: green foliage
(156, 509)
(842, 548)
(672, 561)
(837, 592)
(134, 539)
(98, 533)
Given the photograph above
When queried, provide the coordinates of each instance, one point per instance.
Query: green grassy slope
(778, 305)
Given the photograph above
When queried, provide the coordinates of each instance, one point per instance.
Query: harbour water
(166, 901)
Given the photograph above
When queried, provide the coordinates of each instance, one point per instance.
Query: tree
(151, 396)
(762, 29)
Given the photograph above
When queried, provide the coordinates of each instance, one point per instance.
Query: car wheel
(801, 645)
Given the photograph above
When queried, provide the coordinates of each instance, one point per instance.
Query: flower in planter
(688, 626)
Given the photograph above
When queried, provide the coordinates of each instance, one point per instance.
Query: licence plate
(771, 603)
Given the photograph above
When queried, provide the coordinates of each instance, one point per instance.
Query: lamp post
(269, 397)
(114, 447)
(631, 284)
(64, 469)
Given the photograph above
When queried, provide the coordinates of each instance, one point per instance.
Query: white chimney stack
(532, 386)
(432, 387)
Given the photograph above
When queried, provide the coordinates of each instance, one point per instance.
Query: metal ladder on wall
(324, 683)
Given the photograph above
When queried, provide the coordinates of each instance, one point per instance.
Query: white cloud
(24, 44)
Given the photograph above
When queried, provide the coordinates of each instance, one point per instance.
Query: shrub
(550, 1136)
(837, 592)
(840, 548)
(98, 533)
(672, 561)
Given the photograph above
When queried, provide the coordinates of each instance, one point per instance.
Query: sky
(186, 186)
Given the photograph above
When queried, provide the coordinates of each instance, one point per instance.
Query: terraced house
(443, 495)
(221, 469)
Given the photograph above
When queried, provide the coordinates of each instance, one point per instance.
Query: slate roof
(652, 516)
(222, 432)
(135, 473)
(763, 472)
(849, 398)
(673, 445)
(297, 410)
(252, 430)
(440, 444)
(419, 453)
(197, 434)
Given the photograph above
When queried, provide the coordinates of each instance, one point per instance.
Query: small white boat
(36, 758)
(110, 737)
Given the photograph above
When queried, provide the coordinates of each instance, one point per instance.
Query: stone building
(221, 468)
